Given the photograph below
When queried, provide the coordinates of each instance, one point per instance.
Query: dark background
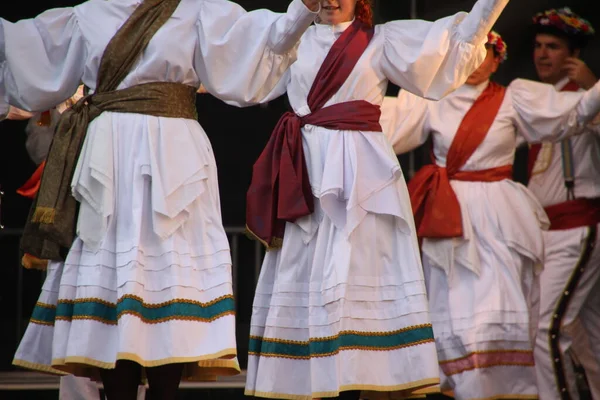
(238, 136)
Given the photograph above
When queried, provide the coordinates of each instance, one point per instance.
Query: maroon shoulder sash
(280, 190)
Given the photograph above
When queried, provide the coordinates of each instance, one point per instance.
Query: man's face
(549, 55)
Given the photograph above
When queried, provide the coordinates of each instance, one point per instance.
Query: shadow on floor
(196, 394)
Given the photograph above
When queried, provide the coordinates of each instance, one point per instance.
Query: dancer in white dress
(147, 280)
(40, 130)
(481, 232)
(340, 305)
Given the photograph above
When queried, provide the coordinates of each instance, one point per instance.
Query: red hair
(364, 11)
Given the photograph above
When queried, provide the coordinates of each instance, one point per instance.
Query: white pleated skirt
(156, 288)
(335, 312)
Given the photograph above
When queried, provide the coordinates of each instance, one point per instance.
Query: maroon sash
(280, 190)
(574, 213)
(434, 203)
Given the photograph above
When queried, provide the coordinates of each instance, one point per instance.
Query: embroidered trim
(560, 311)
(348, 340)
(176, 317)
(222, 363)
(45, 305)
(342, 333)
(41, 322)
(487, 359)
(43, 314)
(109, 313)
(544, 159)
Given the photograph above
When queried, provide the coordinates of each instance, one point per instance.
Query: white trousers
(569, 313)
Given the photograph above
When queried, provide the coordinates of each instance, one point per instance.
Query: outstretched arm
(431, 59)
(544, 114)
(41, 59)
(404, 121)
(243, 55)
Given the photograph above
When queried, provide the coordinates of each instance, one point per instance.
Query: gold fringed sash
(50, 228)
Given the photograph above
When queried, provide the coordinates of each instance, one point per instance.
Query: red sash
(534, 149)
(435, 206)
(31, 187)
(29, 190)
(280, 190)
(574, 214)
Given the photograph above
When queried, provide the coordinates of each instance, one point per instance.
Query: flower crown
(499, 45)
(565, 20)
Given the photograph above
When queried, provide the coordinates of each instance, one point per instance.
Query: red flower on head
(565, 20)
(499, 45)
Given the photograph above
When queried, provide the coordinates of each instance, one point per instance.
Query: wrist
(312, 5)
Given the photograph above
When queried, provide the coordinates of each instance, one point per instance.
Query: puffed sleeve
(9, 112)
(243, 55)
(431, 59)
(404, 121)
(544, 114)
(15, 113)
(41, 59)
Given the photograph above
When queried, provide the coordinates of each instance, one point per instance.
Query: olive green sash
(50, 228)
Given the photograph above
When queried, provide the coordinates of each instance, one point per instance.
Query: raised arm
(431, 59)
(544, 114)
(41, 59)
(9, 112)
(243, 55)
(404, 121)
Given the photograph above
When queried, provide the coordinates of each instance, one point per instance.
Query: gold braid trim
(340, 349)
(342, 333)
(144, 304)
(276, 243)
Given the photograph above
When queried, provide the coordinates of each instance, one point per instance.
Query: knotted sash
(49, 230)
(280, 190)
(435, 205)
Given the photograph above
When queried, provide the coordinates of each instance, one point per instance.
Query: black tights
(349, 395)
(122, 382)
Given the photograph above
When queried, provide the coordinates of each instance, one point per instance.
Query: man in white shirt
(565, 177)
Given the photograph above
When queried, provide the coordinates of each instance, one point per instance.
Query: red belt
(574, 213)
(435, 206)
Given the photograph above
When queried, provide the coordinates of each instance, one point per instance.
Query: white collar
(562, 83)
(336, 29)
(471, 91)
